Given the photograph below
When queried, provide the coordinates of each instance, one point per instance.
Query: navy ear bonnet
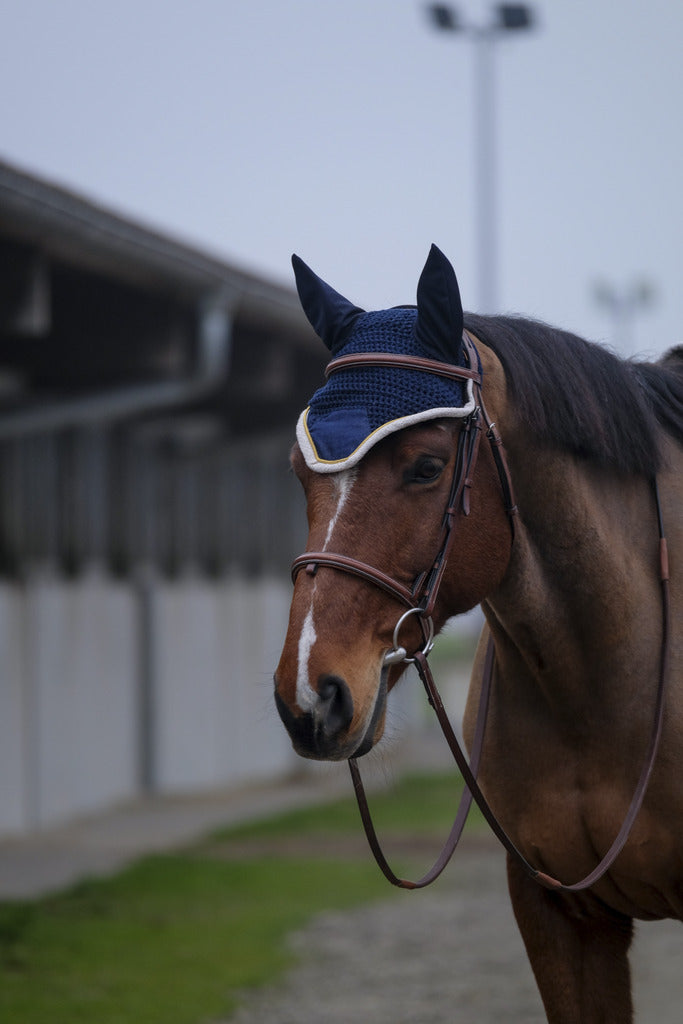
(360, 405)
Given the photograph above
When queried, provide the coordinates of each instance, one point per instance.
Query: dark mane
(580, 397)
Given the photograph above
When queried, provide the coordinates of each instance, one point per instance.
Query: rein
(421, 600)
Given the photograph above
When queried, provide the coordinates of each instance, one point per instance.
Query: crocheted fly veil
(360, 405)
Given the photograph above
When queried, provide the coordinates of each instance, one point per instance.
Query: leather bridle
(421, 598)
(420, 601)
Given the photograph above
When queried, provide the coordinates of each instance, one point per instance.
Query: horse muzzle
(325, 731)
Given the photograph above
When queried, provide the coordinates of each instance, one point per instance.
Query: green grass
(171, 941)
(174, 939)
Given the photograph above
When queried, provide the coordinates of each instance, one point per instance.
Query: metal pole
(485, 170)
(506, 17)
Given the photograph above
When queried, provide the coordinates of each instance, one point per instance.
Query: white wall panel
(81, 677)
(13, 781)
(216, 648)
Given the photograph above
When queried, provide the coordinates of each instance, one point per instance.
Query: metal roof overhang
(68, 229)
(77, 231)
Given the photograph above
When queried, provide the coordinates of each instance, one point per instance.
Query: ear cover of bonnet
(358, 406)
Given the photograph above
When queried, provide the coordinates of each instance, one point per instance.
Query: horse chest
(563, 808)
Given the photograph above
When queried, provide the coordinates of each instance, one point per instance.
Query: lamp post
(505, 18)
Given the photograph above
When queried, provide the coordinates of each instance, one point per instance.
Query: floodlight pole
(486, 192)
(506, 18)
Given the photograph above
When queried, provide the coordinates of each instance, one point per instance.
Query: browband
(403, 362)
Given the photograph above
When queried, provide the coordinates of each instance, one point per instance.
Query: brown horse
(572, 601)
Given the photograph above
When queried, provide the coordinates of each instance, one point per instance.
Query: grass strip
(418, 805)
(172, 940)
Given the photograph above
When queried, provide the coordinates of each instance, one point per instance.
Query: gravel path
(445, 955)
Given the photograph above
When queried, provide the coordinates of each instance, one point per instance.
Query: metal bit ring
(399, 654)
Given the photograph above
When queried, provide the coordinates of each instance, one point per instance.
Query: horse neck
(582, 572)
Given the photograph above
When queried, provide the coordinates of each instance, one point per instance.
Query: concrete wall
(13, 784)
(216, 648)
(67, 699)
(102, 697)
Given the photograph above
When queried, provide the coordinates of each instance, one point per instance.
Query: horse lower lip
(368, 741)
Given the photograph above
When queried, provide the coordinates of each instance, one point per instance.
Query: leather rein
(420, 601)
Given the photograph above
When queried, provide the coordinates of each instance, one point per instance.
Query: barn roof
(103, 317)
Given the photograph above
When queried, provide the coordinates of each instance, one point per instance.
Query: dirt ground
(446, 955)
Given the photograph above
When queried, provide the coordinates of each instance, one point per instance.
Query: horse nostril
(335, 709)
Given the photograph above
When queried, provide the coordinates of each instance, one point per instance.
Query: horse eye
(424, 470)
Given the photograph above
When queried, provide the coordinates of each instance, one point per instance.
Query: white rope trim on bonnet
(318, 465)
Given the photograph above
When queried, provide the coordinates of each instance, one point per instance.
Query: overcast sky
(343, 130)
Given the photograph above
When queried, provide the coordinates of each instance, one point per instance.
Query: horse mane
(581, 398)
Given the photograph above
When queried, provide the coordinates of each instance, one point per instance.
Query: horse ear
(331, 315)
(439, 324)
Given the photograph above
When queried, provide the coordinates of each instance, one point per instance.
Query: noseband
(420, 601)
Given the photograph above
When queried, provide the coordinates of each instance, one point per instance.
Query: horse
(567, 579)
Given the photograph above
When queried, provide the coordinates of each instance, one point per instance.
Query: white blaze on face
(306, 696)
(343, 483)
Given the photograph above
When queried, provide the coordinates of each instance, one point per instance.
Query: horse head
(386, 453)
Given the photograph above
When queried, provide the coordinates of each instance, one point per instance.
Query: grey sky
(343, 129)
